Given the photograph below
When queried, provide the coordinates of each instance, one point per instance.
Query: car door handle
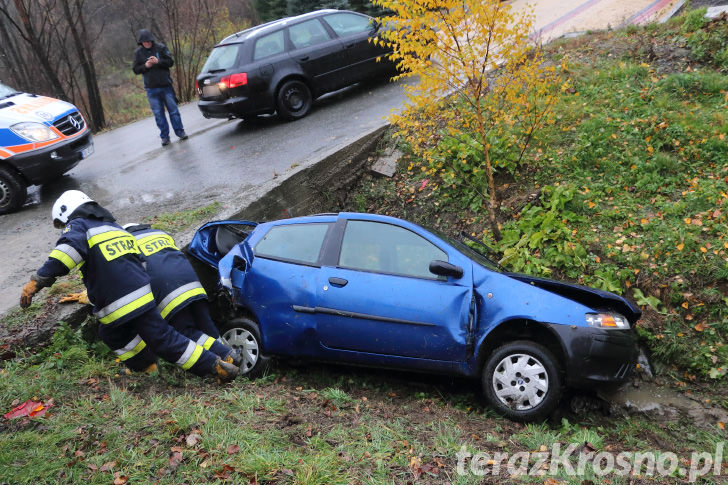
(304, 58)
(340, 282)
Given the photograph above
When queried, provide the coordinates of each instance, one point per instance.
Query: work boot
(165, 142)
(224, 371)
(151, 369)
(234, 358)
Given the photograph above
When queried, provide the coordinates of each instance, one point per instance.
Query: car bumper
(48, 163)
(597, 357)
(232, 107)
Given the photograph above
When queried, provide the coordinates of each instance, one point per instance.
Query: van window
(269, 45)
(6, 90)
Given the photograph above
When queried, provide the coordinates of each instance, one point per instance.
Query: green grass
(179, 221)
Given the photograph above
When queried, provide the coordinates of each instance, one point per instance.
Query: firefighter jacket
(174, 281)
(111, 266)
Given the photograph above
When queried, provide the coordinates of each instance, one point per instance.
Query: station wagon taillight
(234, 80)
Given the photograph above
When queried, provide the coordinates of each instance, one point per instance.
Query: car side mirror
(239, 263)
(443, 268)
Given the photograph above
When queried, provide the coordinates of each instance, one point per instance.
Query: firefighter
(180, 297)
(119, 290)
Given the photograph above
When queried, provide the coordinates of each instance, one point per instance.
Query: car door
(355, 32)
(317, 53)
(380, 297)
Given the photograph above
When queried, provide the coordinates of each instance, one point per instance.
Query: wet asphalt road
(230, 162)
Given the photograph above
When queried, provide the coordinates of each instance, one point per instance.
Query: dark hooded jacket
(156, 76)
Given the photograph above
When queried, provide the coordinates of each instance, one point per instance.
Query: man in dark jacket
(152, 60)
(119, 289)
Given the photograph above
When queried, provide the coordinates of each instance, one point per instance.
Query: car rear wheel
(522, 381)
(13, 191)
(243, 335)
(294, 100)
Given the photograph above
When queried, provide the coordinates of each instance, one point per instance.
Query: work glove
(26, 297)
(81, 297)
(224, 371)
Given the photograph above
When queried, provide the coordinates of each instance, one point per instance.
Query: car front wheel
(294, 100)
(243, 335)
(12, 191)
(522, 381)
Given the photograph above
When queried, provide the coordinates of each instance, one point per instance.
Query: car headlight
(37, 132)
(606, 320)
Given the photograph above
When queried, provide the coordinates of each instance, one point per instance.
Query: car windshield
(469, 251)
(221, 58)
(6, 91)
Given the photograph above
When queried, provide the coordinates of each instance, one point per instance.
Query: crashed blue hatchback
(373, 290)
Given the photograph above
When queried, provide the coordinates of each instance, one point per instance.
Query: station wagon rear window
(222, 58)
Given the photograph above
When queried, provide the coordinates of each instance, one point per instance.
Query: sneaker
(165, 142)
(182, 135)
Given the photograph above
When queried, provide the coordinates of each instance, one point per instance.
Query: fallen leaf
(699, 327)
(108, 466)
(174, 460)
(721, 425)
(120, 479)
(232, 449)
(193, 439)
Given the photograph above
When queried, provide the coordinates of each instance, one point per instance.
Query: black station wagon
(282, 66)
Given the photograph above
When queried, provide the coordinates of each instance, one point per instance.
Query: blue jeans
(158, 99)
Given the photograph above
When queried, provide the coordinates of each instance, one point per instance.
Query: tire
(294, 100)
(13, 191)
(243, 335)
(527, 391)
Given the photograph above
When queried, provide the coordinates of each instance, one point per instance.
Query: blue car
(373, 290)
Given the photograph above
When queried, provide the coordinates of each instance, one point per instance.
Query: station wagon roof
(268, 26)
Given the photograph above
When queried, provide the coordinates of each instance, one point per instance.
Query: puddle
(652, 400)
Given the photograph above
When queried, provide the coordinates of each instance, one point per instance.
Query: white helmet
(69, 201)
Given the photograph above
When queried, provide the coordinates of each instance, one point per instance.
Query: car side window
(308, 33)
(386, 248)
(348, 23)
(293, 242)
(269, 45)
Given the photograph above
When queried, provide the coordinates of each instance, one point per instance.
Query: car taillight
(234, 80)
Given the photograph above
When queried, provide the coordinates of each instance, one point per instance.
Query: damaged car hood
(591, 297)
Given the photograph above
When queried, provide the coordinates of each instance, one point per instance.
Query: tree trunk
(34, 40)
(85, 58)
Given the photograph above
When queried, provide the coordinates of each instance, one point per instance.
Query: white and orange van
(41, 138)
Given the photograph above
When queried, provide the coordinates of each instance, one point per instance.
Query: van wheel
(294, 100)
(13, 191)
(243, 335)
(522, 381)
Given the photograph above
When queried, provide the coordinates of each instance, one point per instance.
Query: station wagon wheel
(13, 191)
(294, 100)
(243, 335)
(522, 381)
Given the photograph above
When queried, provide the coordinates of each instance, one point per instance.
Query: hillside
(626, 190)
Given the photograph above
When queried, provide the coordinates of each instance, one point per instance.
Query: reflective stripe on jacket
(174, 281)
(111, 266)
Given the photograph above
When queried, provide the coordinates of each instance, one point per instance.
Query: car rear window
(222, 57)
(295, 242)
(269, 45)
